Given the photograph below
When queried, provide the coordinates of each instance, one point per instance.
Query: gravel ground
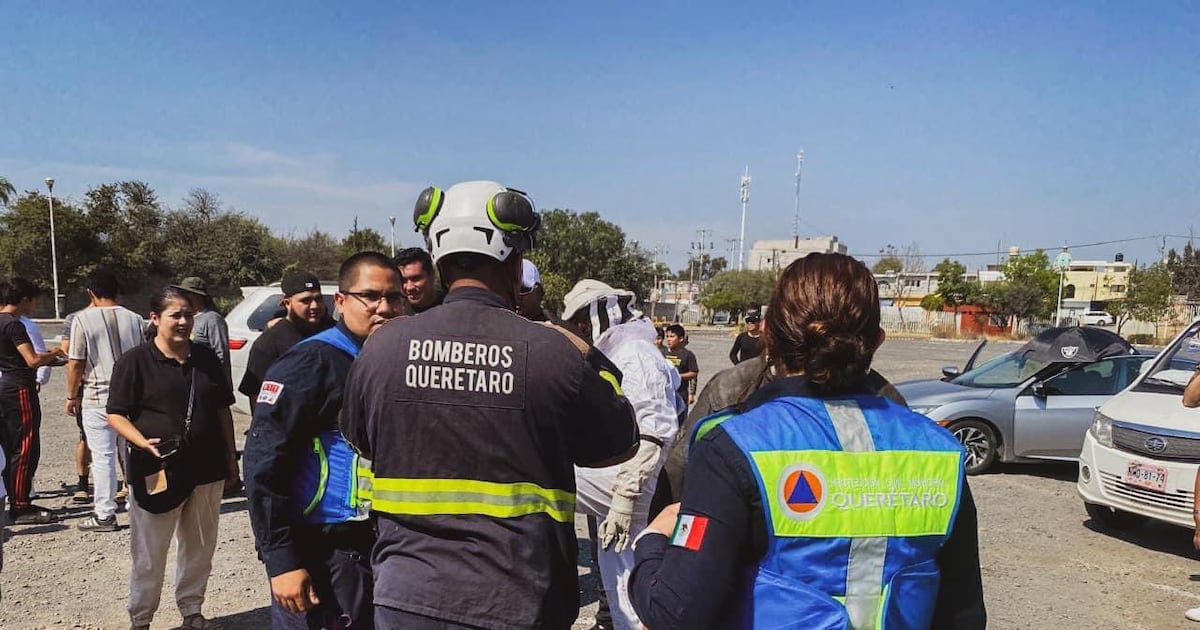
(1045, 565)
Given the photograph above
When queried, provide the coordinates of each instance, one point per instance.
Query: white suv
(1096, 318)
(1140, 456)
(247, 321)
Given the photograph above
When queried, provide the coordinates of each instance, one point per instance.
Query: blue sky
(956, 126)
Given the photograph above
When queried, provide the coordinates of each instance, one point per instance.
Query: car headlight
(1102, 429)
(925, 410)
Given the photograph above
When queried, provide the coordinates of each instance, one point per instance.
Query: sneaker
(198, 622)
(81, 495)
(94, 524)
(134, 626)
(1192, 614)
(32, 515)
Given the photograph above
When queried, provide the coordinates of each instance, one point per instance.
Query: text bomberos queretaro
(472, 367)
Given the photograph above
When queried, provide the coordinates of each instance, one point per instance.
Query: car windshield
(1175, 366)
(1006, 370)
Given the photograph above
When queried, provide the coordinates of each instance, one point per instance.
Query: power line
(1069, 246)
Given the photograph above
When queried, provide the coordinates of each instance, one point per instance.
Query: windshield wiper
(1162, 381)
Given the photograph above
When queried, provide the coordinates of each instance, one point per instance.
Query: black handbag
(179, 480)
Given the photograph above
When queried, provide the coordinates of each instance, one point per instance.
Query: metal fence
(916, 321)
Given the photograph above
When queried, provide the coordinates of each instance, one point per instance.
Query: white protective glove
(627, 489)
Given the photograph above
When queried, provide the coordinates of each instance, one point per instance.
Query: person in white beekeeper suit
(620, 495)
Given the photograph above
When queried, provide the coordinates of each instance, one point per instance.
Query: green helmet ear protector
(429, 203)
(512, 211)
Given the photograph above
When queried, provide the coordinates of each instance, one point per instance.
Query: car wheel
(979, 439)
(1113, 518)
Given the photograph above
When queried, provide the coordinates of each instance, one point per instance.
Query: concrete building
(1087, 283)
(775, 255)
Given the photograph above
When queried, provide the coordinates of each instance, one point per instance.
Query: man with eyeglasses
(310, 522)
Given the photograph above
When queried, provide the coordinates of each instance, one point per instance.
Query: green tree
(572, 246)
(1029, 289)
(737, 291)
(7, 192)
(25, 243)
(127, 220)
(316, 252)
(228, 249)
(1148, 298)
(933, 303)
(954, 288)
(888, 264)
(1185, 271)
(362, 240)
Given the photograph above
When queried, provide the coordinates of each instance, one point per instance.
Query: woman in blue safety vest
(816, 504)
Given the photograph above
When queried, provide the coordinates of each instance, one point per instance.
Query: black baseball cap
(753, 317)
(298, 282)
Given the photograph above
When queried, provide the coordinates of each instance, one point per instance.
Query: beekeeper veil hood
(606, 306)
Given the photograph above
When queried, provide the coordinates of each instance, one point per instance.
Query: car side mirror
(1039, 389)
(950, 372)
(1145, 367)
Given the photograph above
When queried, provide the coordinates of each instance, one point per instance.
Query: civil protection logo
(801, 491)
(1069, 352)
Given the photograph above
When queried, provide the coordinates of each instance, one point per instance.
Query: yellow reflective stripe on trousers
(431, 497)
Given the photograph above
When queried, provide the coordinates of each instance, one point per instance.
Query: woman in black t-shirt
(170, 399)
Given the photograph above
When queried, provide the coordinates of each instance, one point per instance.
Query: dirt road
(1044, 565)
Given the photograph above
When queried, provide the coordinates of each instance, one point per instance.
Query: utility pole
(658, 251)
(53, 248)
(796, 219)
(745, 202)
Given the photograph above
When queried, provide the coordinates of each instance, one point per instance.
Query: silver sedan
(1015, 409)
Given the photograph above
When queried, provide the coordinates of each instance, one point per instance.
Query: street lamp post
(53, 247)
(392, 220)
(1061, 263)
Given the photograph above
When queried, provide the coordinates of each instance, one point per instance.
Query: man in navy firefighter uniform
(473, 417)
(308, 491)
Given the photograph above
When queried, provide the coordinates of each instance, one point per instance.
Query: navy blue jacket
(301, 397)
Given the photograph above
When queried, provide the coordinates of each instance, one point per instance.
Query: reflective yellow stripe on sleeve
(430, 497)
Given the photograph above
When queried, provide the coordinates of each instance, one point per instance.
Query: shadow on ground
(1153, 535)
(250, 619)
(1062, 471)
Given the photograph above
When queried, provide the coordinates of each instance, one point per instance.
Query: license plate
(1146, 476)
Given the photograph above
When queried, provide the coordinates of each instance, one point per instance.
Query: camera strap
(187, 418)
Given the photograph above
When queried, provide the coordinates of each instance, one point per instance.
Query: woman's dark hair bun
(824, 322)
(840, 358)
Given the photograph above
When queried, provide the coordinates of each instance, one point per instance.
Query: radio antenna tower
(796, 219)
(745, 200)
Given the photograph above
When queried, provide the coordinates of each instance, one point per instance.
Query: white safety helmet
(479, 217)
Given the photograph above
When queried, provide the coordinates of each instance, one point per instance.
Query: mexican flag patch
(689, 532)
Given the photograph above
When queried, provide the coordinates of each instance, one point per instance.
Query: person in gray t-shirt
(210, 329)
